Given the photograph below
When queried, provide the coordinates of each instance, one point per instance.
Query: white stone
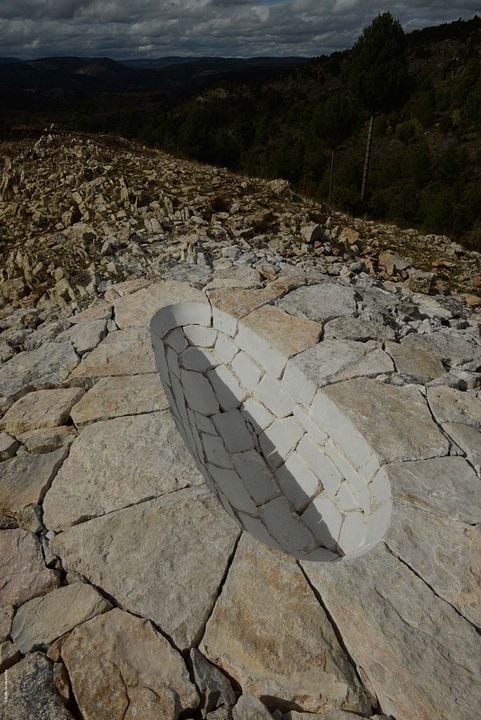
(345, 498)
(286, 527)
(224, 322)
(324, 520)
(201, 336)
(297, 482)
(309, 425)
(247, 371)
(173, 362)
(279, 439)
(320, 464)
(226, 387)
(380, 489)
(271, 393)
(257, 414)
(328, 416)
(256, 476)
(197, 360)
(230, 484)
(204, 424)
(353, 532)
(176, 340)
(232, 427)
(346, 468)
(297, 385)
(264, 353)
(215, 451)
(198, 393)
(186, 313)
(225, 348)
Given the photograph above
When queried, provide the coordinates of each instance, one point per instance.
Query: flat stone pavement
(126, 591)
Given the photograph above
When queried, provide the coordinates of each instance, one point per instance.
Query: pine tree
(334, 123)
(377, 74)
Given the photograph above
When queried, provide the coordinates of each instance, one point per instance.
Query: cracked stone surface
(181, 538)
(122, 462)
(121, 667)
(284, 364)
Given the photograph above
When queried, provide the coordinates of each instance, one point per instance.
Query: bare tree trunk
(367, 157)
(331, 176)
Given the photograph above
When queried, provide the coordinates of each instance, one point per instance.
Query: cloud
(242, 28)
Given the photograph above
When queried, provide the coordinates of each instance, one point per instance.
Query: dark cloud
(150, 28)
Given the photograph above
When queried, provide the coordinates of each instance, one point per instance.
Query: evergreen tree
(377, 73)
(334, 123)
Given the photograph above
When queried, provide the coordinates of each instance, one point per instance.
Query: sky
(232, 28)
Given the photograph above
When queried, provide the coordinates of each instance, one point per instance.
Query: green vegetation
(309, 125)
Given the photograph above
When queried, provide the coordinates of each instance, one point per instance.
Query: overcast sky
(238, 28)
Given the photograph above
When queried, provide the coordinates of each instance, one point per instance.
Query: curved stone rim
(214, 402)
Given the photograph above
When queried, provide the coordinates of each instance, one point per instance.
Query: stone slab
(122, 395)
(445, 552)
(23, 574)
(25, 479)
(239, 302)
(407, 430)
(122, 668)
(139, 308)
(119, 462)
(42, 620)
(421, 658)
(40, 409)
(450, 405)
(31, 691)
(47, 366)
(123, 352)
(163, 559)
(321, 302)
(85, 335)
(275, 640)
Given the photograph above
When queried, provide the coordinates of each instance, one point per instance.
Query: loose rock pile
(125, 589)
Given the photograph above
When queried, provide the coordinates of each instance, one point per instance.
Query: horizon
(228, 29)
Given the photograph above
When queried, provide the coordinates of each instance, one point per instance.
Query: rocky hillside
(78, 212)
(126, 591)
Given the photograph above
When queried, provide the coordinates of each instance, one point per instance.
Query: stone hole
(295, 474)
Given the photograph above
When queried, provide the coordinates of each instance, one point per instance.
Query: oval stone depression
(279, 456)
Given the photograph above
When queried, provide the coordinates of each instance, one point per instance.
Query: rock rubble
(126, 590)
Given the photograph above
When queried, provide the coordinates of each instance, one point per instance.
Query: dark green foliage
(377, 69)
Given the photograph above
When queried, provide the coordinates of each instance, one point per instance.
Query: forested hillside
(426, 160)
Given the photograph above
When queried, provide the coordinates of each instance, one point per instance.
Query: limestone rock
(123, 352)
(407, 431)
(121, 461)
(454, 406)
(84, 336)
(468, 439)
(116, 396)
(214, 686)
(320, 302)
(25, 479)
(23, 574)
(42, 620)
(48, 366)
(140, 307)
(416, 363)
(276, 639)
(334, 360)
(354, 328)
(239, 303)
(46, 440)
(420, 656)
(8, 446)
(31, 692)
(44, 408)
(445, 552)
(9, 655)
(6, 617)
(285, 334)
(121, 668)
(442, 486)
(249, 707)
(185, 540)
(98, 311)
